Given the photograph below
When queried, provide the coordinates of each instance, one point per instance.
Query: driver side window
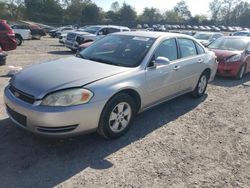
(168, 49)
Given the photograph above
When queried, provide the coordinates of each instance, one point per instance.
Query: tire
(201, 86)
(19, 40)
(117, 116)
(241, 72)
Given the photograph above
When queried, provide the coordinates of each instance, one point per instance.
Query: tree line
(83, 12)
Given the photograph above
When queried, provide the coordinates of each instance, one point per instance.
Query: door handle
(176, 68)
(200, 60)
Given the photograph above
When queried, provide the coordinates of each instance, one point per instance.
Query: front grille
(79, 40)
(71, 36)
(21, 95)
(17, 117)
(62, 129)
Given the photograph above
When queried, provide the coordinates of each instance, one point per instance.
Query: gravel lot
(182, 143)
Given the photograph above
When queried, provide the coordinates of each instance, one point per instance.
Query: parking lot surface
(185, 142)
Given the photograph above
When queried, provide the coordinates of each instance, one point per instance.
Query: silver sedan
(108, 83)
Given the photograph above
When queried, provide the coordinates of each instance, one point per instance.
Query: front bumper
(53, 121)
(73, 45)
(228, 69)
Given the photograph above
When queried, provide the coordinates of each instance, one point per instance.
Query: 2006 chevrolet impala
(108, 84)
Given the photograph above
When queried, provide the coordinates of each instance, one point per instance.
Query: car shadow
(230, 82)
(65, 52)
(33, 161)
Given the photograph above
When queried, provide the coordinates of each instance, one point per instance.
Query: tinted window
(113, 30)
(167, 49)
(200, 50)
(120, 50)
(187, 48)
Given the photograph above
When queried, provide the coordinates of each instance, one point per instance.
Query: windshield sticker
(141, 39)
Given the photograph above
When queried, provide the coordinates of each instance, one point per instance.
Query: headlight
(69, 97)
(234, 58)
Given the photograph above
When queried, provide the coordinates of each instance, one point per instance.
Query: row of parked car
(166, 27)
(13, 35)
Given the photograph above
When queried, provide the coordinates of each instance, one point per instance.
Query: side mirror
(247, 51)
(161, 61)
(100, 33)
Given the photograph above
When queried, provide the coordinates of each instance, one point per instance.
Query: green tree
(182, 10)
(45, 11)
(171, 16)
(91, 13)
(150, 15)
(127, 15)
(115, 6)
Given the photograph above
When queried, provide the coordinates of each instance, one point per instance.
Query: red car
(7, 36)
(3, 56)
(233, 55)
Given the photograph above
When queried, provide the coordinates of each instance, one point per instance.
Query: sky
(195, 6)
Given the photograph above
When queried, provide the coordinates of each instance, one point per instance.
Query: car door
(163, 81)
(191, 63)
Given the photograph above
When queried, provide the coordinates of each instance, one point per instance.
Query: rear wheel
(117, 116)
(241, 72)
(201, 86)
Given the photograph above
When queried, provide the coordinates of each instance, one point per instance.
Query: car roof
(237, 37)
(113, 26)
(151, 34)
(211, 33)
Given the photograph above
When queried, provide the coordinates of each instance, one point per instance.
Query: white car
(22, 32)
(206, 38)
(91, 33)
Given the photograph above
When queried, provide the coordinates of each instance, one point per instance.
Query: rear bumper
(228, 69)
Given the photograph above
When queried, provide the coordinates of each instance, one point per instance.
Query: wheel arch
(18, 35)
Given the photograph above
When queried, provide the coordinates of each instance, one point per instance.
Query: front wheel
(201, 86)
(19, 40)
(241, 72)
(117, 116)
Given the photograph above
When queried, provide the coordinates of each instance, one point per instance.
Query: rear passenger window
(200, 50)
(167, 49)
(187, 47)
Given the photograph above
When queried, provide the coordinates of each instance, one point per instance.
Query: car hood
(225, 54)
(41, 79)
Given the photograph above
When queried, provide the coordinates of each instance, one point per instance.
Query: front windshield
(120, 50)
(92, 29)
(202, 36)
(234, 44)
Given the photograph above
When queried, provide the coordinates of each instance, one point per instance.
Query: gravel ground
(182, 143)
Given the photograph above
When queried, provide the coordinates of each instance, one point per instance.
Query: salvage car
(7, 37)
(91, 33)
(233, 54)
(22, 32)
(206, 38)
(110, 82)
